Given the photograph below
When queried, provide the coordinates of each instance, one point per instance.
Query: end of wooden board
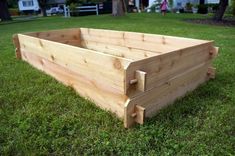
(16, 43)
(214, 52)
(211, 72)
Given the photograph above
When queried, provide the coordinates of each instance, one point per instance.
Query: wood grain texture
(161, 68)
(116, 50)
(130, 74)
(119, 36)
(86, 87)
(153, 100)
(106, 70)
(66, 36)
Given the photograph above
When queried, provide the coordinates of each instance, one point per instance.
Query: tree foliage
(84, 1)
(12, 3)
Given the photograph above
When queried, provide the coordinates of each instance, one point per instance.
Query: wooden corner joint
(211, 72)
(17, 46)
(133, 115)
(138, 114)
(139, 80)
(133, 81)
(214, 52)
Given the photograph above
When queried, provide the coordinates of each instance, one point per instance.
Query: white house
(28, 5)
(33, 5)
(177, 3)
(183, 2)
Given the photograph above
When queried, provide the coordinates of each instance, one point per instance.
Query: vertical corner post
(16, 43)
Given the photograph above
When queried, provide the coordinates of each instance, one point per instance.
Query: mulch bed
(229, 21)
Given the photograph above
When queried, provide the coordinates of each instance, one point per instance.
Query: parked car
(55, 10)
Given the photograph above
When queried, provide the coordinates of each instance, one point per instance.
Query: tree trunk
(118, 8)
(4, 13)
(202, 2)
(44, 13)
(220, 12)
(42, 4)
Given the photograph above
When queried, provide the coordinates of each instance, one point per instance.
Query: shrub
(202, 9)
(181, 10)
(72, 8)
(188, 6)
(14, 12)
(213, 7)
(153, 8)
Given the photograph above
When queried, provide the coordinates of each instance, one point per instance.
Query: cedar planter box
(131, 74)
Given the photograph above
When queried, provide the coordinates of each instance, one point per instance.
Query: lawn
(38, 115)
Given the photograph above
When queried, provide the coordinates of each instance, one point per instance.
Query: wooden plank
(107, 70)
(167, 41)
(156, 98)
(142, 45)
(178, 42)
(71, 42)
(118, 38)
(174, 67)
(171, 95)
(102, 32)
(161, 68)
(183, 79)
(120, 51)
(150, 46)
(86, 87)
(17, 46)
(61, 36)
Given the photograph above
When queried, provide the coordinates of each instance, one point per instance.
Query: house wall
(182, 3)
(151, 2)
(53, 2)
(34, 7)
(212, 1)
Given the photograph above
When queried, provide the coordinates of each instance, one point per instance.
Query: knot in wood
(117, 64)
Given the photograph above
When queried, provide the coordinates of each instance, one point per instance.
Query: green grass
(40, 116)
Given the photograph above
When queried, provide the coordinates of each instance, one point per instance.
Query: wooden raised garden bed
(131, 74)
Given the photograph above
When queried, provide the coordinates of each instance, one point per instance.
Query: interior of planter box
(130, 45)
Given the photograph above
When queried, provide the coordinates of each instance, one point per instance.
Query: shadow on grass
(226, 22)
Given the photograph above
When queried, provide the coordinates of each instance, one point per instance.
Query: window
(27, 3)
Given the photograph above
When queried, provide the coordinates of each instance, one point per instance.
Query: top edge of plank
(121, 31)
(148, 34)
(153, 58)
(51, 30)
(89, 50)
